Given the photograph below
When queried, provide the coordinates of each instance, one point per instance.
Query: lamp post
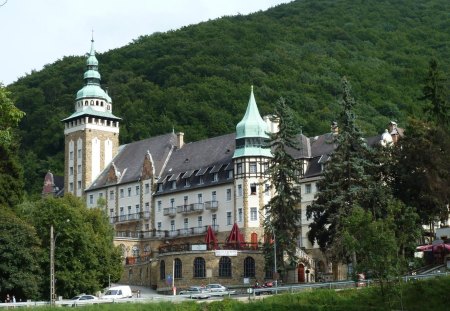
(53, 238)
(52, 267)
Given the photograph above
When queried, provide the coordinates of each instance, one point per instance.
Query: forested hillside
(197, 79)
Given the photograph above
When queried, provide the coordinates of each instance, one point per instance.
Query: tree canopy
(195, 79)
(85, 256)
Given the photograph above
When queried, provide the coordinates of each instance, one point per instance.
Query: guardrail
(250, 291)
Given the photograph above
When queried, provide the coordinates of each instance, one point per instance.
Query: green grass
(421, 295)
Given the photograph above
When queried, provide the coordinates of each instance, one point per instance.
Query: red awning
(210, 238)
(235, 238)
(424, 248)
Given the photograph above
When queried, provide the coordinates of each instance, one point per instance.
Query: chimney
(392, 129)
(180, 139)
(273, 123)
(334, 128)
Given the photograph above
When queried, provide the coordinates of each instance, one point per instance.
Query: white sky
(34, 33)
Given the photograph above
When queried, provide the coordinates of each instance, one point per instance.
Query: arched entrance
(301, 273)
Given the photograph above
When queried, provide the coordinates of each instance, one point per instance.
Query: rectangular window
(230, 174)
(147, 227)
(174, 184)
(253, 214)
(111, 195)
(129, 191)
(91, 199)
(214, 219)
(137, 190)
(121, 193)
(308, 188)
(79, 153)
(71, 170)
(147, 206)
(239, 190)
(214, 196)
(229, 218)
(252, 189)
(252, 167)
(187, 182)
(267, 189)
(129, 209)
(159, 225)
(240, 214)
(228, 194)
(200, 181)
(100, 195)
(147, 188)
(172, 225)
(71, 155)
(186, 223)
(79, 169)
(216, 177)
(172, 202)
(159, 204)
(200, 221)
(137, 208)
(200, 198)
(79, 184)
(239, 168)
(160, 187)
(265, 168)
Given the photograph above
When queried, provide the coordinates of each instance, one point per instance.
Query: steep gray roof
(130, 158)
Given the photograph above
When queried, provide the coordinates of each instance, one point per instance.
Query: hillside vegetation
(197, 79)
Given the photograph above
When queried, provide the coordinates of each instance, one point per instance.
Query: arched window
(225, 267)
(199, 267)
(162, 270)
(249, 267)
(178, 268)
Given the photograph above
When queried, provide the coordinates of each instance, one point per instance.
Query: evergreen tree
(283, 210)
(422, 170)
(343, 184)
(435, 93)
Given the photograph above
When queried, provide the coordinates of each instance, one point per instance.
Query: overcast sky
(34, 33)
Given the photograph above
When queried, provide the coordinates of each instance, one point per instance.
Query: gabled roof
(207, 153)
(130, 158)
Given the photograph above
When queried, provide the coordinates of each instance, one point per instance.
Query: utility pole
(52, 268)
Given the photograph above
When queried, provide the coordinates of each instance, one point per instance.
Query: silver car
(196, 292)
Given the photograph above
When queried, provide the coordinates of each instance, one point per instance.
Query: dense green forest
(197, 79)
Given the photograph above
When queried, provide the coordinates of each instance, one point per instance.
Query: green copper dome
(92, 79)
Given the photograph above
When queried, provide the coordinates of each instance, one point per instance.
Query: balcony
(125, 218)
(190, 208)
(212, 205)
(170, 211)
(164, 234)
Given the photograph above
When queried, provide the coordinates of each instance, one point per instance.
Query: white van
(117, 292)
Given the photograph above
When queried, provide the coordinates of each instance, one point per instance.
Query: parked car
(118, 292)
(216, 288)
(197, 292)
(84, 297)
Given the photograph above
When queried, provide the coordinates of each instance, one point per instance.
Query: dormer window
(230, 174)
(174, 184)
(200, 181)
(216, 177)
(187, 183)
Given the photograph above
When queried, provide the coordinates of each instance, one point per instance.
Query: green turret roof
(251, 133)
(92, 79)
(252, 125)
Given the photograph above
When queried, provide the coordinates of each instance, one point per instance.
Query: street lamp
(52, 265)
